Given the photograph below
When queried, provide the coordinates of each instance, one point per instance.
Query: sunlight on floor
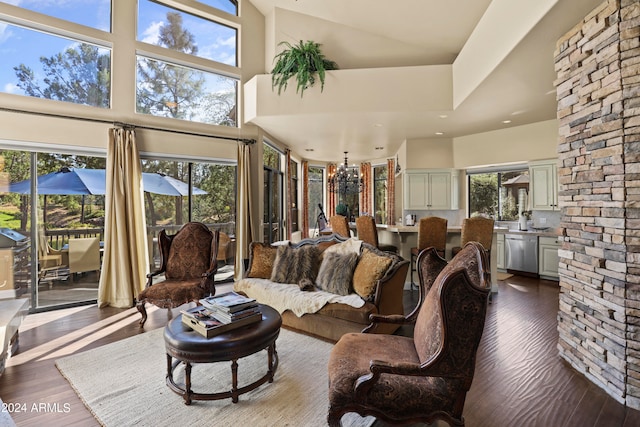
(519, 287)
(75, 340)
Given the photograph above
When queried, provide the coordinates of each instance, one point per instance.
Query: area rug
(504, 276)
(5, 418)
(123, 383)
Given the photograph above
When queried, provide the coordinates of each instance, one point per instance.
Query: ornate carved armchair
(189, 263)
(403, 380)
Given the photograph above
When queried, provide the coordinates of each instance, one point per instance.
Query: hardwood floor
(520, 380)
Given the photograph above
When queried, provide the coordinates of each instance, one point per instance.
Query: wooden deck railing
(59, 237)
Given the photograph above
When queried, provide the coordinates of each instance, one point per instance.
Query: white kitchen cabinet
(500, 256)
(431, 189)
(543, 185)
(548, 257)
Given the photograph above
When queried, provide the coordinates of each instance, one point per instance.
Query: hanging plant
(303, 61)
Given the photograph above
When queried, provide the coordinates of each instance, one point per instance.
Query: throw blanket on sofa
(282, 296)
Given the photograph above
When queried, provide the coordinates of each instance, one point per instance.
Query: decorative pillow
(295, 264)
(351, 245)
(336, 272)
(263, 256)
(369, 270)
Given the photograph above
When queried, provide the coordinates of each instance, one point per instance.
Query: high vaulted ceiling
(377, 34)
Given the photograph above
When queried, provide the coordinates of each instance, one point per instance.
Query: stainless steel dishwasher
(521, 252)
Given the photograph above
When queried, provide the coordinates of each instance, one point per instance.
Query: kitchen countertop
(551, 232)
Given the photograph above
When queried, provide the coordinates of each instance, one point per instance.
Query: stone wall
(598, 89)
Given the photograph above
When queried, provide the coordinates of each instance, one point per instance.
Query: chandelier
(346, 180)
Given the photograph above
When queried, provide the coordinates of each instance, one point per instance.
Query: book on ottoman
(229, 302)
(204, 321)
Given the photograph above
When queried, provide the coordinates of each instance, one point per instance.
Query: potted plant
(304, 61)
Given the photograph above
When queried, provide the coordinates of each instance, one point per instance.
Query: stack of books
(211, 319)
(231, 307)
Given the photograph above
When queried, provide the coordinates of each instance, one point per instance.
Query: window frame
(374, 181)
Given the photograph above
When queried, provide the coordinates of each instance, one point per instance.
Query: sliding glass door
(52, 220)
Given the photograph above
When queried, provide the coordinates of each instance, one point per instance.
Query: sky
(22, 46)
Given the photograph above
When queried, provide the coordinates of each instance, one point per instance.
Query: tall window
(69, 206)
(229, 6)
(495, 193)
(293, 197)
(184, 92)
(95, 13)
(187, 63)
(273, 191)
(158, 25)
(60, 68)
(316, 192)
(169, 204)
(380, 193)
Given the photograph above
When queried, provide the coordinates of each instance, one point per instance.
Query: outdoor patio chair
(226, 248)
(188, 263)
(50, 260)
(84, 255)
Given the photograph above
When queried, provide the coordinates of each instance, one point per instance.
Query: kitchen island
(405, 237)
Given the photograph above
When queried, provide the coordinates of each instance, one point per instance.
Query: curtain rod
(127, 125)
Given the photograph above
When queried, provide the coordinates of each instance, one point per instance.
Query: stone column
(598, 90)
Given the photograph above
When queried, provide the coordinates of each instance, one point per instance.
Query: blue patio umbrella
(159, 183)
(67, 181)
(70, 181)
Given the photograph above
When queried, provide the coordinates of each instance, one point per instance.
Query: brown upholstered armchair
(403, 380)
(189, 263)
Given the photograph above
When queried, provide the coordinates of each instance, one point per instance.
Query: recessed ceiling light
(439, 133)
(443, 116)
(378, 125)
(506, 122)
(308, 149)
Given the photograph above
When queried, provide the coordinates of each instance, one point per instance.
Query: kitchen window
(495, 192)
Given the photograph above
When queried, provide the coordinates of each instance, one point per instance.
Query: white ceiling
(431, 32)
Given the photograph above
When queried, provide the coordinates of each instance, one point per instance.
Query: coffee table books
(204, 321)
(229, 302)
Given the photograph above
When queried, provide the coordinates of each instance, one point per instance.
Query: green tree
(483, 194)
(80, 74)
(220, 108)
(168, 90)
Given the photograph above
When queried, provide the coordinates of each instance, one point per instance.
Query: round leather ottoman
(187, 346)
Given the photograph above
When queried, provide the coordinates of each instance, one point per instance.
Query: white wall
(536, 141)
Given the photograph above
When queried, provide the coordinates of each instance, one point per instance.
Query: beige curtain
(126, 260)
(391, 191)
(332, 198)
(244, 225)
(365, 194)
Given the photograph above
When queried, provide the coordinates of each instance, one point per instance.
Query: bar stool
(477, 229)
(340, 225)
(432, 232)
(367, 232)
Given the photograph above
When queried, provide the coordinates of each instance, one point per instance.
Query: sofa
(326, 286)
